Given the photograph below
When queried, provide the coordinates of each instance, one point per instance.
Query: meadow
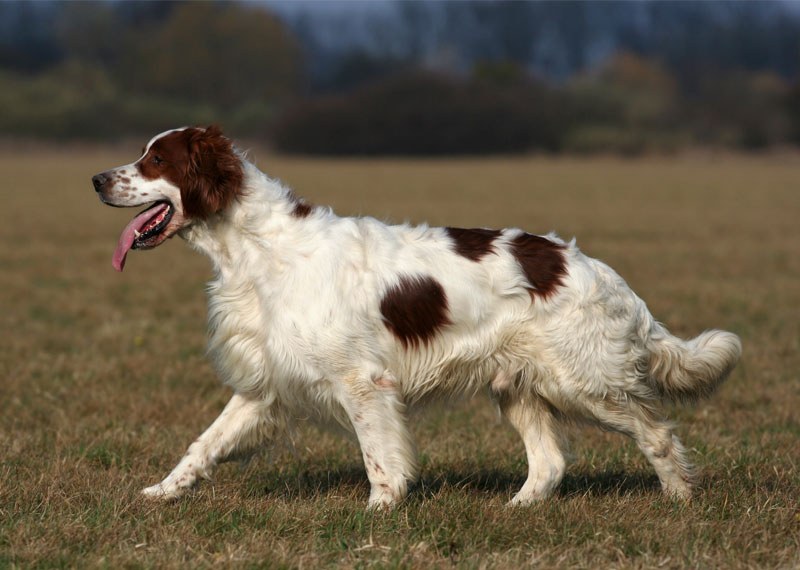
(105, 381)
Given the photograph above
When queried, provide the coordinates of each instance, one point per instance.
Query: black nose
(99, 180)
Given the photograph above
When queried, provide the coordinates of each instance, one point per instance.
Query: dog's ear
(213, 175)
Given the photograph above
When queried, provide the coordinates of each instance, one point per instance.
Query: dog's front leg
(377, 413)
(245, 422)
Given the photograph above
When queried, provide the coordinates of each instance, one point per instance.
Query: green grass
(105, 381)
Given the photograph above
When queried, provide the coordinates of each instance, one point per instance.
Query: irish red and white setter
(352, 322)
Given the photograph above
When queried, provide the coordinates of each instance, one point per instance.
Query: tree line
(107, 69)
(564, 76)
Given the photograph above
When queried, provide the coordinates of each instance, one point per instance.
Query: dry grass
(105, 381)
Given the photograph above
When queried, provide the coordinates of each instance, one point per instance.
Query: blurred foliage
(793, 111)
(425, 113)
(629, 105)
(736, 108)
(103, 70)
(200, 63)
(219, 53)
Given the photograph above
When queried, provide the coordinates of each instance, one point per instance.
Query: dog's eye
(157, 160)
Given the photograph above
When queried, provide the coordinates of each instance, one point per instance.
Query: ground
(105, 382)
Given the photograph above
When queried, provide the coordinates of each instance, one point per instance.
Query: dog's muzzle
(99, 181)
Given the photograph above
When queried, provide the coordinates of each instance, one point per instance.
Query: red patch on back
(301, 208)
(414, 309)
(542, 262)
(473, 243)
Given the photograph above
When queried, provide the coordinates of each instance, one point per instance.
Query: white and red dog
(353, 322)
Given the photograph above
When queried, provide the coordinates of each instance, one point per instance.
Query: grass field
(104, 380)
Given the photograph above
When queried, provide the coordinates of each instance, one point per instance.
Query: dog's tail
(686, 371)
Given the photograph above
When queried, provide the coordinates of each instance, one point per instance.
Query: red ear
(213, 176)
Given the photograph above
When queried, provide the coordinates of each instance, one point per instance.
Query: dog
(355, 323)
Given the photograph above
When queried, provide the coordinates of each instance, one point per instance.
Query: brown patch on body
(542, 262)
(301, 208)
(414, 309)
(473, 243)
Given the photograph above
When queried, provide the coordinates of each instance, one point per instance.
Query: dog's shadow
(351, 480)
(501, 485)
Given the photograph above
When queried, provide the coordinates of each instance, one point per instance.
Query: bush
(69, 99)
(423, 114)
(80, 101)
(591, 139)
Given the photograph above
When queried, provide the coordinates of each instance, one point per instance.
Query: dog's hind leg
(377, 413)
(646, 424)
(539, 428)
(244, 423)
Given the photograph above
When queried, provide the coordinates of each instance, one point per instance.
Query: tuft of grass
(105, 381)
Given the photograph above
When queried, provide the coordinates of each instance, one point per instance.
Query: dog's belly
(501, 359)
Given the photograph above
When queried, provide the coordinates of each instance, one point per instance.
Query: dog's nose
(99, 180)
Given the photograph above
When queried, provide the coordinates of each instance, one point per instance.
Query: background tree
(222, 54)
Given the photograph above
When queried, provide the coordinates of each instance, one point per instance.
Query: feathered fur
(353, 322)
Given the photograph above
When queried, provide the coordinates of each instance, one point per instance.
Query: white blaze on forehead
(158, 136)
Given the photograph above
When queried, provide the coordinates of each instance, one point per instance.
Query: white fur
(297, 332)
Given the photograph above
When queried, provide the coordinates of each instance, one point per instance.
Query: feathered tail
(686, 371)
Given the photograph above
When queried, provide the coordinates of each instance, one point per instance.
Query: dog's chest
(255, 343)
(236, 334)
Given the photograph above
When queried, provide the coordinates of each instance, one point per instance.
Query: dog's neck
(257, 228)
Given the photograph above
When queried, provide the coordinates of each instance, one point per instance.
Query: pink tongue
(128, 236)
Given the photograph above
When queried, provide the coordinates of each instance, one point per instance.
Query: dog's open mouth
(143, 232)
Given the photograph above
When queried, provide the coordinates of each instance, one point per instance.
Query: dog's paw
(381, 505)
(160, 492)
(527, 499)
(680, 492)
(382, 499)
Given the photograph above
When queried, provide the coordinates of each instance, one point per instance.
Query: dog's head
(183, 175)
